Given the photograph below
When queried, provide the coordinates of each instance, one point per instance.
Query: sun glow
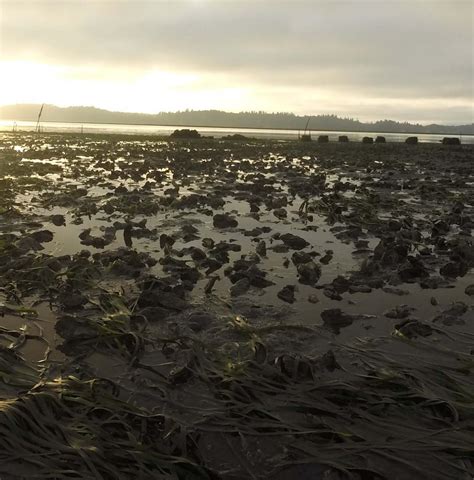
(156, 90)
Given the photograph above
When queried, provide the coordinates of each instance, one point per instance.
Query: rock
(166, 241)
(332, 294)
(328, 361)
(72, 300)
(280, 213)
(340, 284)
(301, 257)
(452, 315)
(127, 236)
(58, 220)
(313, 298)
(262, 248)
(185, 133)
(42, 236)
(411, 269)
(280, 248)
(197, 254)
(368, 140)
(28, 243)
(74, 328)
(167, 300)
(457, 308)
(295, 366)
(343, 139)
(451, 141)
(335, 319)
(326, 258)
(454, 269)
(240, 287)
(287, 294)
(414, 328)
(223, 220)
(380, 139)
(399, 312)
(469, 290)
(254, 208)
(208, 243)
(293, 241)
(309, 272)
(199, 321)
(411, 140)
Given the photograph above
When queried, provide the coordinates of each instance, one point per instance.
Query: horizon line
(234, 113)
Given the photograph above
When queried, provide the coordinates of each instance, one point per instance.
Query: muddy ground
(233, 309)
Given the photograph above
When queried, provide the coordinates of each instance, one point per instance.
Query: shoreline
(206, 138)
(242, 128)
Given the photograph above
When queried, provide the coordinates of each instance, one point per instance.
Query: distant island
(217, 118)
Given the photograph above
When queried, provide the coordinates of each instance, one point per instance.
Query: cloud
(391, 49)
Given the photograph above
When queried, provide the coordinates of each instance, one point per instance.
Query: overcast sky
(405, 60)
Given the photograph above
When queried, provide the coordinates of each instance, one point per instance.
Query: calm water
(8, 125)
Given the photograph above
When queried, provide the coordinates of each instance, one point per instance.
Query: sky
(407, 60)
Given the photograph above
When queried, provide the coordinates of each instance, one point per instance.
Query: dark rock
(323, 139)
(287, 294)
(335, 319)
(309, 273)
(281, 248)
(262, 248)
(72, 300)
(332, 294)
(293, 241)
(326, 258)
(457, 308)
(301, 257)
(313, 298)
(380, 139)
(26, 244)
(166, 241)
(208, 243)
(412, 268)
(223, 220)
(411, 140)
(240, 287)
(280, 213)
(399, 312)
(42, 236)
(197, 254)
(343, 139)
(340, 284)
(454, 269)
(414, 328)
(469, 290)
(58, 220)
(185, 133)
(127, 236)
(451, 141)
(367, 140)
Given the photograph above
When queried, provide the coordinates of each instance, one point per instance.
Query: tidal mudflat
(235, 309)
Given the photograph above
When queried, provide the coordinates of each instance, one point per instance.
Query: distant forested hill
(216, 118)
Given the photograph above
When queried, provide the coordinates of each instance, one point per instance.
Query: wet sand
(281, 304)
